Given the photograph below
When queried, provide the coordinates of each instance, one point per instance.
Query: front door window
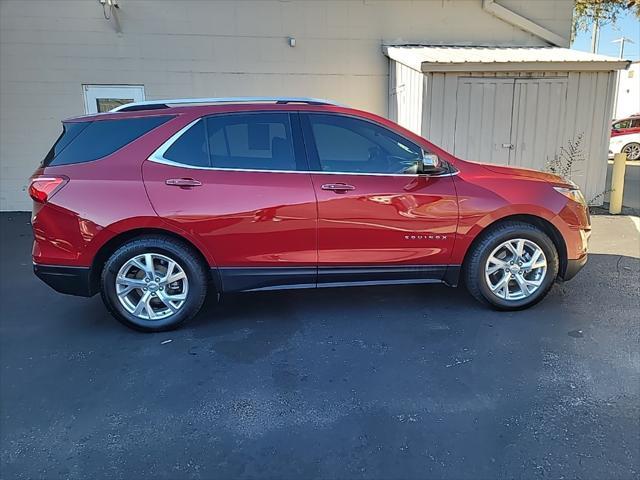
(350, 145)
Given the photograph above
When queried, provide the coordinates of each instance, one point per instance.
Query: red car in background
(160, 202)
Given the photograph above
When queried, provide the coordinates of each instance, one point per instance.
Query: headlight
(572, 193)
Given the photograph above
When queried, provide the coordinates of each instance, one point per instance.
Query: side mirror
(431, 164)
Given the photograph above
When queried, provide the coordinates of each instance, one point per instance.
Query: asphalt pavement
(384, 382)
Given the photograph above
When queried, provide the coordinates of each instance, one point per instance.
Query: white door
(483, 119)
(538, 112)
(102, 98)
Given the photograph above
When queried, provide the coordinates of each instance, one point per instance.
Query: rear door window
(87, 141)
(250, 141)
(256, 141)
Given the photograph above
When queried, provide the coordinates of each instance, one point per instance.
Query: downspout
(525, 24)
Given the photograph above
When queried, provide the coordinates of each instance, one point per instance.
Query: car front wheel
(153, 283)
(512, 266)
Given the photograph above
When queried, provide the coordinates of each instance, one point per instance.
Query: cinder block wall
(50, 48)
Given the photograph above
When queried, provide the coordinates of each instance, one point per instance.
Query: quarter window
(351, 145)
(87, 141)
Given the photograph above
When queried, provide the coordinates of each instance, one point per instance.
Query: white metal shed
(508, 105)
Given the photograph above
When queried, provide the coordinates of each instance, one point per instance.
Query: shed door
(483, 119)
(538, 112)
(510, 121)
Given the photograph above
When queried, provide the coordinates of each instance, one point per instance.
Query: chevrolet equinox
(156, 203)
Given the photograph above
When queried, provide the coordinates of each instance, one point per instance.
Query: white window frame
(93, 92)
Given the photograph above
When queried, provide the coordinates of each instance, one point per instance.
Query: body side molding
(244, 279)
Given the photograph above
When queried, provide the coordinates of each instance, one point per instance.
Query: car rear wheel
(632, 150)
(512, 266)
(154, 283)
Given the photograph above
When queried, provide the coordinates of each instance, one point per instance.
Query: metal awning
(432, 58)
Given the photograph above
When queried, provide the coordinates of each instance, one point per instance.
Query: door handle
(183, 182)
(338, 187)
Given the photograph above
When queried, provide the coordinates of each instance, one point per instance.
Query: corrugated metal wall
(519, 119)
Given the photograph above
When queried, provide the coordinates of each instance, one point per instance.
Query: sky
(627, 26)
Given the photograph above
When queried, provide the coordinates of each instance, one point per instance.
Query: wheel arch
(543, 224)
(111, 245)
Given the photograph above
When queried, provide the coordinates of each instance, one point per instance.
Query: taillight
(43, 188)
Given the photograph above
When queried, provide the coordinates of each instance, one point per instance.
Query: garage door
(510, 121)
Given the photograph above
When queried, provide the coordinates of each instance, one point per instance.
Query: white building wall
(189, 48)
(628, 98)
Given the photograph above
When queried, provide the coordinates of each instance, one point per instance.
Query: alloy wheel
(632, 150)
(515, 269)
(152, 286)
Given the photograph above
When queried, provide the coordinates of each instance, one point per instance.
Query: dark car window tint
(626, 123)
(258, 141)
(69, 131)
(350, 145)
(87, 141)
(190, 148)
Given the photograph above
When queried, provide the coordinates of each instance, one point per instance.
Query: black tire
(169, 247)
(474, 267)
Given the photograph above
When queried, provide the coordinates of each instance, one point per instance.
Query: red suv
(157, 203)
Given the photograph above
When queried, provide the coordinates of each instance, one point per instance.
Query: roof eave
(566, 66)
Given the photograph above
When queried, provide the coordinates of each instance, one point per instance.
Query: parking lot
(384, 382)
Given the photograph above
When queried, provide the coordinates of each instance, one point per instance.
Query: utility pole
(595, 35)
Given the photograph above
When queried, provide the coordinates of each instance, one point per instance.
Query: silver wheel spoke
(537, 260)
(170, 267)
(495, 265)
(130, 284)
(522, 283)
(166, 299)
(502, 287)
(176, 298)
(520, 247)
(512, 249)
(533, 283)
(142, 304)
(148, 261)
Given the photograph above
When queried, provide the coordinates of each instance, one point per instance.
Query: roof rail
(157, 104)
